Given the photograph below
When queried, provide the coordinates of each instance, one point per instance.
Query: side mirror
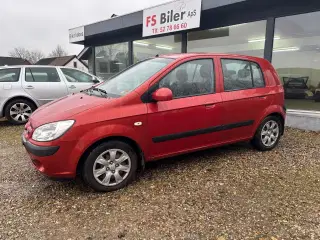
(94, 80)
(162, 94)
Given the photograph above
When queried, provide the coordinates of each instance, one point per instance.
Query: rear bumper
(53, 161)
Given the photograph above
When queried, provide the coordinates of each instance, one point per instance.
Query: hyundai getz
(157, 108)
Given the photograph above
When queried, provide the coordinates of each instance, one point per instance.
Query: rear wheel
(110, 166)
(268, 134)
(19, 111)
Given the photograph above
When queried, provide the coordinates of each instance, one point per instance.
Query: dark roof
(55, 61)
(13, 61)
(45, 61)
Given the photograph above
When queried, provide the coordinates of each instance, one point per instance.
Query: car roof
(21, 66)
(186, 55)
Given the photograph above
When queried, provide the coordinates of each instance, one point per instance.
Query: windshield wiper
(90, 91)
(101, 91)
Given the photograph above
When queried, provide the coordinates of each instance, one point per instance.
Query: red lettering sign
(151, 19)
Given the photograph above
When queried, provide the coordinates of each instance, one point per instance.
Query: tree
(58, 52)
(32, 56)
(35, 56)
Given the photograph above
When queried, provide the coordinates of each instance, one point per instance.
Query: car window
(258, 80)
(241, 74)
(42, 75)
(9, 75)
(192, 78)
(73, 75)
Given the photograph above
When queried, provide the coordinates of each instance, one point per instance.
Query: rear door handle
(209, 105)
(72, 87)
(29, 87)
(262, 97)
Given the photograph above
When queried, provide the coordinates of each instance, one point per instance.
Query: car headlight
(51, 131)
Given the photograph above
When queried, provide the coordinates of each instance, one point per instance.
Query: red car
(157, 108)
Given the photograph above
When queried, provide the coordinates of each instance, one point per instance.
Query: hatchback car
(157, 108)
(295, 87)
(24, 88)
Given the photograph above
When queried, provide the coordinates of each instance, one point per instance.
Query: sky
(43, 24)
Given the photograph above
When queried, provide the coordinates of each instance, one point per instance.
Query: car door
(244, 98)
(187, 121)
(77, 80)
(43, 84)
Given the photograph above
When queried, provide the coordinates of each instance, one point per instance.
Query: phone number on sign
(170, 28)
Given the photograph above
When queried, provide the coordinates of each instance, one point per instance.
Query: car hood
(65, 108)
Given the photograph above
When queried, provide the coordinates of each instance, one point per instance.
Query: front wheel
(268, 134)
(110, 166)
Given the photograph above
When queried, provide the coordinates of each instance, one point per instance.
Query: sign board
(76, 34)
(171, 17)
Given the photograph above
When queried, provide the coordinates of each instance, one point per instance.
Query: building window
(146, 48)
(111, 59)
(75, 64)
(247, 39)
(296, 58)
(90, 60)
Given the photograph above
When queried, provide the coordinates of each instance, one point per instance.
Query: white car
(25, 88)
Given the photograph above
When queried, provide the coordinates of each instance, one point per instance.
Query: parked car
(25, 88)
(157, 108)
(295, 87)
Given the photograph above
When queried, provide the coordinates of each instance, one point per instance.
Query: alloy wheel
(112, 167)
(270, 133)
(20, 112)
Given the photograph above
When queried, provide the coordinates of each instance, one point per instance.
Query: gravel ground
(227, 193)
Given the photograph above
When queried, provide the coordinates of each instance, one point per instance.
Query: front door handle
(29, 87)
(262, 97)
(72, 87)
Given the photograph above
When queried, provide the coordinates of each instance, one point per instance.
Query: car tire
(103, 166)
(18, 111)
(268, 134)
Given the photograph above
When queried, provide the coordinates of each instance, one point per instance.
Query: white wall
(80, 65)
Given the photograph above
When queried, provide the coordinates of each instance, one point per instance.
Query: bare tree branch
(35, 56)
(19, 52)
(58, 52)
(31, 55)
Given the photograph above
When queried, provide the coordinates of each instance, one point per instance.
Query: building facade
(285, 32)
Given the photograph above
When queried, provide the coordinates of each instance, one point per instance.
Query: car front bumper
(52, 161)
(39, 151)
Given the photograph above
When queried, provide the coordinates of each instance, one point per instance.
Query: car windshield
(131, 78)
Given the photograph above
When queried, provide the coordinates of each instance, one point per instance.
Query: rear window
(9, 75)
(300, 82)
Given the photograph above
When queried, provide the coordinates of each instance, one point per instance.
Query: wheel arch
(280, 117)
(272, 112)
(18, 97)
(127, 140)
